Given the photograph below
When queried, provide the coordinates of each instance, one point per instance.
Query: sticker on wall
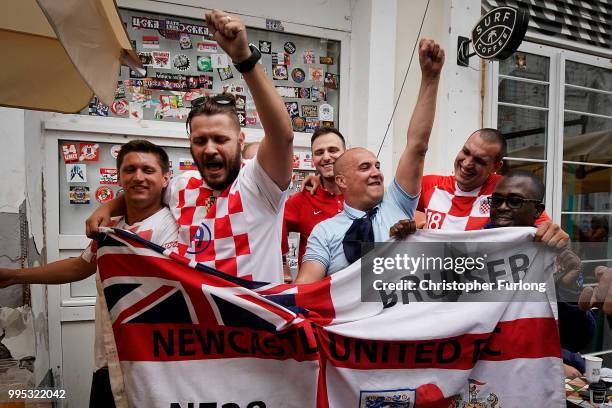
(292, 109)
(327, 124)
(225, 73)
(108, 176)
(298, 75)
(185, 41)
(281, 58)
(326, 60)
(289, 47)
(317, 94)
(78, 195)
(306, 161)
(104, 194)
(89, 152)
(204, 63)
(331, 80)
(120, 107)
(308, 56)
(279, 72)
(206, 81)
(296, 161)
(138, 74)
(120, 90)
(136, 110)
(251, 120)
(287, 91)
(265, 47)
(304, 93)
(312, 124)
(76, 173)
(326, 112)
(70, 153)
(207, 46)
(299, 124)
(150, 41)
(187, 164)
(219, 60)
(114, 151)
(310, 111)
(146, 58)
(97, 108)
(241, 117)
(181, 62)
(161, 59)
(315, 74)
(240, 102)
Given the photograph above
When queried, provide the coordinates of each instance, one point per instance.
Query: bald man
(357, 173)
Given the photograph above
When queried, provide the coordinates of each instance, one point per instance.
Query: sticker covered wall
(182, 59)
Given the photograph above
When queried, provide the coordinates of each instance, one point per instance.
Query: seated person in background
(144, 171)
(369, 211)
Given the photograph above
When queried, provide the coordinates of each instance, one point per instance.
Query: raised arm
(275, 153)
(410, 169)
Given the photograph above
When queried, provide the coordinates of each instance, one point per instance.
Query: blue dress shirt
(325, 241)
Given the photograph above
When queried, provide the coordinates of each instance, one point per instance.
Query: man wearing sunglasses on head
(229, 211)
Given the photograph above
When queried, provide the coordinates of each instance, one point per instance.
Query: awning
(57, 54)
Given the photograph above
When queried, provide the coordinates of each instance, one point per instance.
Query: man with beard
(369, 211)
(230, 215)
(304, 210)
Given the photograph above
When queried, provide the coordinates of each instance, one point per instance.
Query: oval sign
(499, 32)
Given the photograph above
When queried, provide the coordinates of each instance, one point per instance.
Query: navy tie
(360, 231)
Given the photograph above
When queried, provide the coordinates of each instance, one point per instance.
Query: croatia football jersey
(448, 208)
(237, 230)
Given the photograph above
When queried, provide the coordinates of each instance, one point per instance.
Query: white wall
(458, 107)
(12, 168)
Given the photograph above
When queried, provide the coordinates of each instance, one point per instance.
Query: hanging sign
(499, 32)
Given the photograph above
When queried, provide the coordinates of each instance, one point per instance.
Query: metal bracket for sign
(463, 51)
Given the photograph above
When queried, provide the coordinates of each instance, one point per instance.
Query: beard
(232, 169)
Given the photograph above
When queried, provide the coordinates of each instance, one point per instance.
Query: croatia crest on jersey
(485, 206)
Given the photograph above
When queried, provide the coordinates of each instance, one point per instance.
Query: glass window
(523, 93)
(183, 63)
(587, 188)
(525, 131)
(526, 65)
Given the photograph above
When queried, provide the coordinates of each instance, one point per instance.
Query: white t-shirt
(237, 230)
(160, 228)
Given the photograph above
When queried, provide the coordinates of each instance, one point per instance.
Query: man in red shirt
(304, 210)
(460, 202)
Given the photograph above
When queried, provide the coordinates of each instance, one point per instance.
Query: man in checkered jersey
(459, 202)
(229, 212)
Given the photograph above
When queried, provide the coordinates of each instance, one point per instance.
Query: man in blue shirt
(359, 178)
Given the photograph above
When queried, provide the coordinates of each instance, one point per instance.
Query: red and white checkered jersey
(449, 208)
(161, 229)
(238, 230)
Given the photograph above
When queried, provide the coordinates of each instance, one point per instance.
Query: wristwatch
(249, 63)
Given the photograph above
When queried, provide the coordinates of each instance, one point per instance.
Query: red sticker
(108, 176)
(104, 194)
(70, 153)
(120, 107)
(89, 152)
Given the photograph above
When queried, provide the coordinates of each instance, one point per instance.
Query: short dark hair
(536, 183)
(223, 103)
(491, 135)
(144, 146)
(325, 130)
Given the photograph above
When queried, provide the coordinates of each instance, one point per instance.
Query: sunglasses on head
(220, 99)
(512, 202)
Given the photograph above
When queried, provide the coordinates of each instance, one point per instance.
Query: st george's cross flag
(190, 336)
